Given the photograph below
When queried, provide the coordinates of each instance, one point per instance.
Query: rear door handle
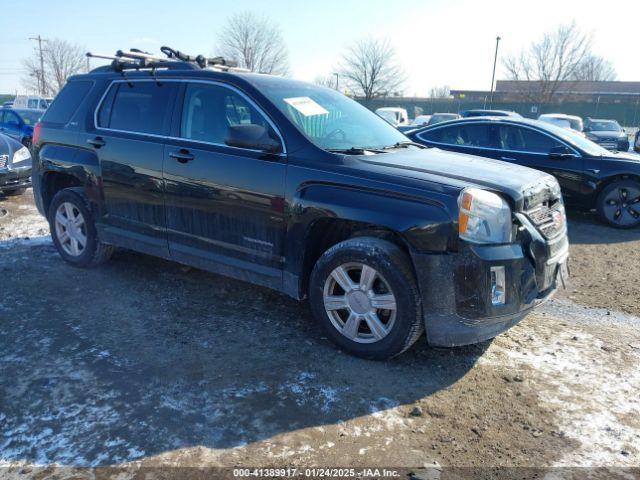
(508, 159)
(96, 142)
(182, 156)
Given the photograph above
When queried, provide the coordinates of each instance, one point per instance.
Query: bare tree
(329, 81)
(255, 43)
(439, 92)
(61, 60)
(545, 64)
(371, 69)
(596, 69)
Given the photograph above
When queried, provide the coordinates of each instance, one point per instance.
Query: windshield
(388, 116)
(329, 119)
(606, 126)
(577, 140)
(29, 118)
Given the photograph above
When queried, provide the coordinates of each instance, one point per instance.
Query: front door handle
(97, 142)
(183, 156)
(508, 159)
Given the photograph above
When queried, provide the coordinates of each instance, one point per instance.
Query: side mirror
(561, 153)
(253, 137)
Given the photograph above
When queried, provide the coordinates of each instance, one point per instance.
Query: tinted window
(30, 117)
(143, 107)
(525, 140)
(209, 110)
(67, 102)
(464, 135)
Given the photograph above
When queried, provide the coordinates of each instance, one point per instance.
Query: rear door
(225, 205)
(131, 124)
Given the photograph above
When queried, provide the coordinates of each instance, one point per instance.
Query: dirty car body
(267, 215)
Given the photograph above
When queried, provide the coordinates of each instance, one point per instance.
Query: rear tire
(364, 295)
(618, 204)
(73, 230)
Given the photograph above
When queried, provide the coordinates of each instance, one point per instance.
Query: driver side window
(209, 110)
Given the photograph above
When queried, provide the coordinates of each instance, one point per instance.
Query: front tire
(73, 230)
(618, 204)
(364, 295)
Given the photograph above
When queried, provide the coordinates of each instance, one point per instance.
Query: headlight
(484, 217)
(21, 155)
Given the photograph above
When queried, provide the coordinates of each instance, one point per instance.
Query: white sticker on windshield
(306, 106)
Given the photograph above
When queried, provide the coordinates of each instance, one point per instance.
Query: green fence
(626, 112)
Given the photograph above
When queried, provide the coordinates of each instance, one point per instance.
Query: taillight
(36, 133)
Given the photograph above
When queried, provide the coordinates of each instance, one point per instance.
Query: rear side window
(67, 102)
(141, 107)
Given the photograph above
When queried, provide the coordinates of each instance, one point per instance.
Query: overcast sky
(438, 42)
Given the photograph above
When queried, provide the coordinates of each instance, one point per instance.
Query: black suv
(590, 176)
(298, 188)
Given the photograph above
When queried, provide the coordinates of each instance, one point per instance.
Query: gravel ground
(150, 362)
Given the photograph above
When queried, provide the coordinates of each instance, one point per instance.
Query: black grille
(548, 218)
(4, 159)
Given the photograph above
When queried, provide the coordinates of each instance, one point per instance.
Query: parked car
(607, 133)
(421, 121)
(636, 143)
(19, 123)
(489, 113)
(395, 116)
(300, 189)
(561, 120)
(15, 166)
(31, 102)
(442, 117)
(590, 176)
(8, 104)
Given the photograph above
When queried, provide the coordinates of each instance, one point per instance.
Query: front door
(225, 205)
(132, 122)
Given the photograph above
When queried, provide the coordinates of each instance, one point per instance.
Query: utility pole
(41, 83)
(337, 86)
(493, 76)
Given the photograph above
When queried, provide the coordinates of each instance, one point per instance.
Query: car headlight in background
(484, 217)
(21, 155)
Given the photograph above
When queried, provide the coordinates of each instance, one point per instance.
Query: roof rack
(135, 59)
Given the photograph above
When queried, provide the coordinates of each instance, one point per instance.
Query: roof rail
(135, 59)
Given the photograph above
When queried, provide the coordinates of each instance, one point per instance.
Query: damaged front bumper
(465, 302)
(14, 178)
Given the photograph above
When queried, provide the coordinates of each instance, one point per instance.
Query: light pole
(493, 76)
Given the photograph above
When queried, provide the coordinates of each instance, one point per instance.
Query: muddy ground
(147, 361)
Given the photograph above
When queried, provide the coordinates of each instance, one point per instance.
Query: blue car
(18, 123)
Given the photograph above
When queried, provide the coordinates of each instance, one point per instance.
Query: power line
(41, 84)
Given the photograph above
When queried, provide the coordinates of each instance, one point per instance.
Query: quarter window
(209, 110)
(67, 102)
(142, 107)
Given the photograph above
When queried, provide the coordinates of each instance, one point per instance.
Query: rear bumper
(458, 308)
(15, 179)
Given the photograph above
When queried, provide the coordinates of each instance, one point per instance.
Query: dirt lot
(148, 361)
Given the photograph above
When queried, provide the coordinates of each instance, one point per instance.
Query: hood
(607, 134)
(459, 170)
(625, 156)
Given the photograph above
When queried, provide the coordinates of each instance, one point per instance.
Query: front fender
(425, 225)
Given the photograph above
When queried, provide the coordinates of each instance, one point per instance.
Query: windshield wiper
(404, 145)
(355, 150)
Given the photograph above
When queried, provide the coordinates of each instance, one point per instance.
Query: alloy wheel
(71, 229)
(359, 303)
(622, 206)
